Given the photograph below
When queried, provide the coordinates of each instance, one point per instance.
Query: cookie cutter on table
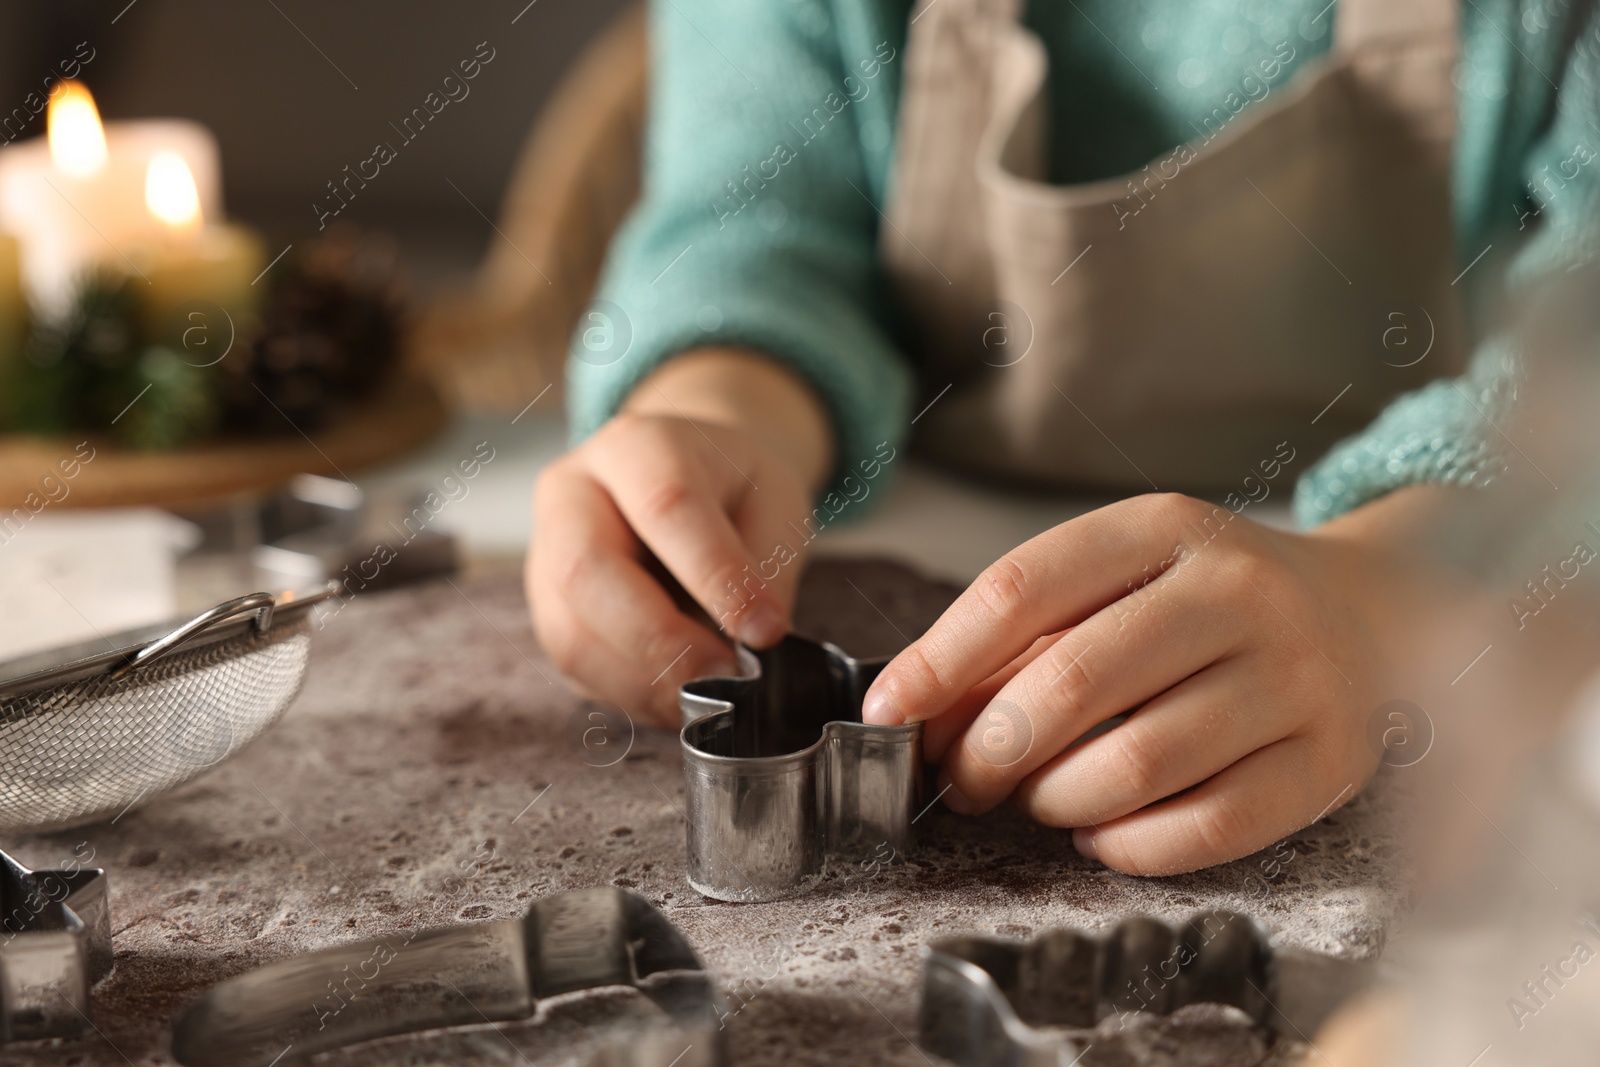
(55, 943)
(781, 776)
(89, 731)
(983, 998)
(466, 976)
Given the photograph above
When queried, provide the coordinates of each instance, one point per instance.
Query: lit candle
(201, 275)
(75, 198)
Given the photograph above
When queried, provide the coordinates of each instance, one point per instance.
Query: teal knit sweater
(804, 93)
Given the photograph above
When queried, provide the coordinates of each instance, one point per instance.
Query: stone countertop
(434, 771)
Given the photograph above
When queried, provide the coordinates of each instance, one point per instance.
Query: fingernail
(957, 801)
(765, 626)
(1084, 842)
(878, 710)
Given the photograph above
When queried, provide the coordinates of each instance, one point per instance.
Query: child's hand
(683, 476)
(1252, 660)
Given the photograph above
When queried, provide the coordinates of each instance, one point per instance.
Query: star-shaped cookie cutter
(55, 943)
(987, 1001)
(781, 775)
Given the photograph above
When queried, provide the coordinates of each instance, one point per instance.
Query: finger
(938, 734)
(584, 562)
(681, 513)
(1196, 729)
(597, 671)
(1261, 799)
(1051, 582)
(589, 557)
(761, 520)
(1120, 659)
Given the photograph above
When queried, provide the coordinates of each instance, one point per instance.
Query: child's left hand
(1251, 660)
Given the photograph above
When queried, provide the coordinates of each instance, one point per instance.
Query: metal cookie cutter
(55, 942)
(983, 997)
(466, 976)
(781, 775)
(321, 529)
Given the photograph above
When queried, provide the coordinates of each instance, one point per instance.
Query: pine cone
(330, 333)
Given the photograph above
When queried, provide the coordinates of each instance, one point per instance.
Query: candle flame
(77, 140)
(170, 192)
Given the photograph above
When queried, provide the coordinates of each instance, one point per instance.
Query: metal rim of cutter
(986, 1001)
(53, 949)
(781, 775)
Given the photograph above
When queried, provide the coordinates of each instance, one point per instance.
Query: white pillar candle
(200, 273)
(75, 209)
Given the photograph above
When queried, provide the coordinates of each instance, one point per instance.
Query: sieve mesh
(88, 750)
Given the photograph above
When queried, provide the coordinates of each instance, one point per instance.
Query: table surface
(433, 772)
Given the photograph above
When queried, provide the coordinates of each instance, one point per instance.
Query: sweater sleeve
(766, 152)
(1547, 198)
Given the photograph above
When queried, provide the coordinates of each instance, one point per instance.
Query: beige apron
(1276, 280)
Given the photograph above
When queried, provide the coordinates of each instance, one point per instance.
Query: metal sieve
(85, 734)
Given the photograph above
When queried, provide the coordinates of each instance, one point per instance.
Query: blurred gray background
(297, 89)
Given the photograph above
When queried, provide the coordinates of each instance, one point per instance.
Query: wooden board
(404, 415)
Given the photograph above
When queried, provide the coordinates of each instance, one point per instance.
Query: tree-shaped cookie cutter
(55, 943)
(781, 775)
(987, 1001)
(469, 975)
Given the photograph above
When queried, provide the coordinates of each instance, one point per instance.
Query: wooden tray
(401, 417)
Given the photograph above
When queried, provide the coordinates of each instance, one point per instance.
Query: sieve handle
(259, 603)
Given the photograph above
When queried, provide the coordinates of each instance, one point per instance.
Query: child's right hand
(710, 459)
